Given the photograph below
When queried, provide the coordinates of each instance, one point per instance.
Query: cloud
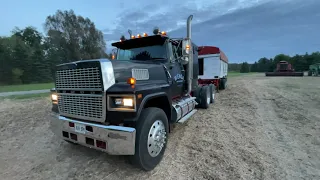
(171, 15)
(246, 30)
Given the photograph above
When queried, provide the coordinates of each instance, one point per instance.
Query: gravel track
(259, 128)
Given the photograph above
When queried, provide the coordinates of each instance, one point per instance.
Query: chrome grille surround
(90, 107)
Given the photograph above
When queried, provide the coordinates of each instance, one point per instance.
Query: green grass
(235, 74)
(26, 96)
(26, 87)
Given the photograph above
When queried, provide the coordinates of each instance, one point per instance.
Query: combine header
(284, 69)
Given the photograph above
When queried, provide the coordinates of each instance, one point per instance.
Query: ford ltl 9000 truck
(127, 105)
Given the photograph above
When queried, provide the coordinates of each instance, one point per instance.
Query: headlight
(124, 102)
(121, 103)
(54, 97)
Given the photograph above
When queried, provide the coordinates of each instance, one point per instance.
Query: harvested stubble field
(259, 128)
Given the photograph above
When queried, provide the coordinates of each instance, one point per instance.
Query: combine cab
(284, 69)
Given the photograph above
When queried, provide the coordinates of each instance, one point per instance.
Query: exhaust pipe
(189, 26)
(190, 65)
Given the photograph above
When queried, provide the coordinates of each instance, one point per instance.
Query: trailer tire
(223, 83)
(205, 97)
(153, 122)
(212, 92)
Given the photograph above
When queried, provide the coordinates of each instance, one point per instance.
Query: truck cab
(127, 105)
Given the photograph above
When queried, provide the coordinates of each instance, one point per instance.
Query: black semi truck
(127, 105)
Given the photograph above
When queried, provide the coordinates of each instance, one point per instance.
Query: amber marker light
(131, 81)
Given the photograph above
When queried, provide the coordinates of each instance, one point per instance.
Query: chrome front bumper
(115, 140)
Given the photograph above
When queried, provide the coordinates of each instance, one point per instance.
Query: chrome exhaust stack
(190, 65)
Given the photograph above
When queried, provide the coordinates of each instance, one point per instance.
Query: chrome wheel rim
(156, 138)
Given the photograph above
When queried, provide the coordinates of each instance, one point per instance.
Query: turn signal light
(131, 81)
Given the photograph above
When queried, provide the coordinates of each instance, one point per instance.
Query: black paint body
(167, 78)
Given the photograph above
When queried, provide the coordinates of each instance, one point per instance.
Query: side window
(171, 52)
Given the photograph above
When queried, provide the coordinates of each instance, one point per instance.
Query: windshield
(143, 53)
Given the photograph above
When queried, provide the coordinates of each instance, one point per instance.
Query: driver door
(177, 74)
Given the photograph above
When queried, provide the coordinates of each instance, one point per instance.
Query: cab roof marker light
(122, 38)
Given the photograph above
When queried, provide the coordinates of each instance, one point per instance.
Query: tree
(33, 62)
(26, 56)
(73, 37)
(244, 68)
(254, 67)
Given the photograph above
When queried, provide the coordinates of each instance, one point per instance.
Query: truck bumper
(115, 140)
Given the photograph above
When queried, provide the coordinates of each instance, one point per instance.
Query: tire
(212, 93)
(196, 94)
(146, 158)
(223, 84)
(205, 97)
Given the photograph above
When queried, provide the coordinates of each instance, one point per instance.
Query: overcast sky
(244, 29)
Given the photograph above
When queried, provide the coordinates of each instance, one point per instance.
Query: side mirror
(186, 50)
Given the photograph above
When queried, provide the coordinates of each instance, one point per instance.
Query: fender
(149, 97)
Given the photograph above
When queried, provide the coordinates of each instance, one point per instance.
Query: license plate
(79, 128)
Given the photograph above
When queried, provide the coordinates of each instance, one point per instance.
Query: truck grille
(84, 79)
(88, 107)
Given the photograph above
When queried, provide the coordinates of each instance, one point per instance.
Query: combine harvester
(284, 69)
(314, 70)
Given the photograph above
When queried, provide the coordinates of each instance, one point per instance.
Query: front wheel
(151, 138)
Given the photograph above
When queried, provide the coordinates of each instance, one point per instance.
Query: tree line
(27, 56)
(299, 63)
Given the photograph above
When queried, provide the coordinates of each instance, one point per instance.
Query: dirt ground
(259, 128)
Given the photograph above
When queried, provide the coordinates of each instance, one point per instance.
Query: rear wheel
(223, 83)
(212, 92)
(151, 138)
(205, 97)
(196, 94)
